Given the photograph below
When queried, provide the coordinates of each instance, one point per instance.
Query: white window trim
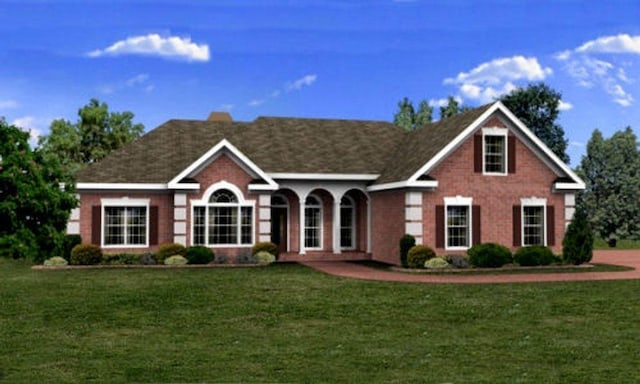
(533, 202)
(321, 225)
(353, 225)
(495, 131)
(204, 202)
(123, 202)
(458, 201)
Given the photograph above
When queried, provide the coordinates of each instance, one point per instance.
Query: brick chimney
(219, 116)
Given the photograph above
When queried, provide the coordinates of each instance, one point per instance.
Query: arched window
(347, 223)
(223, 220)
(313, 222)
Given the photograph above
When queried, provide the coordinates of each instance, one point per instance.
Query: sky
(320, 59)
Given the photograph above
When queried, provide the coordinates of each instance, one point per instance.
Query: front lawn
(287, 323)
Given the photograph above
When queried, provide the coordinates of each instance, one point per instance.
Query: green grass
(287, 323)
(621, 244)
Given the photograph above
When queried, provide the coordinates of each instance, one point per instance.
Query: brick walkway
(357, 271)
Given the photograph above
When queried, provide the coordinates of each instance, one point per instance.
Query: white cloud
(156, 45)
(32, 125)
(578, 144)
(304, 81)
(594, 64)
(435, 103)
(622, 43)
(494, 78)
(8, 104)
(141, 80)
(256, 102)
(226, 107)
(564, 106)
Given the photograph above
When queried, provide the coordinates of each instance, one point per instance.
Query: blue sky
(334, 59)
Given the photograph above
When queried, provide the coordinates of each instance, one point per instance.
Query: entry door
(279, 229)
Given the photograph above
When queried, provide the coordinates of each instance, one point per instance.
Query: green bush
(534, 255)
(147, 259)
(56, 261)
(436, 263)
(199, 255)
(577, 245)
(220, 258)
(175, 260)
(489, 255)
(406, 243)
(86, 254)
(264, 257)
(169, 249)
(418, 255)
(246, 258)
(120, 258)
(457, 261)
(68, 243)
(265, 246)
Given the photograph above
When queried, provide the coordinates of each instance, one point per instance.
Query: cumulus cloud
(595, 64)
(32, 125)
(436, 103)
(564, 106)
(494, 78)
(155, 45)
(8, 104)
(304, 81)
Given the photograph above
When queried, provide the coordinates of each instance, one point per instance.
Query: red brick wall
(388, 211)
(495, 194)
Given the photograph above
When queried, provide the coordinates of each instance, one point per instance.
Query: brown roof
(282, 145)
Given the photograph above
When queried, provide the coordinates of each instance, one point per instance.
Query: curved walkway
(630, 258)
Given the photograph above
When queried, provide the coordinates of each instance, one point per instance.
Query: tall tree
(97, 133)
(34, 208)
(408, 118)
(537, 106)
(451, 109)
(611, 171)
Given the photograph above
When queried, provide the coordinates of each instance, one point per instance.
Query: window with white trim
(222, 220)
(533, 225)
(347, 223)
(495, 151)
(313, 222)
(458, 223)
(125, 222)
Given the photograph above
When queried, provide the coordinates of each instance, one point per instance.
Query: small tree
(406, 243)
(577, 245)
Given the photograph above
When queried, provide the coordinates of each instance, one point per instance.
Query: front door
(279, 228)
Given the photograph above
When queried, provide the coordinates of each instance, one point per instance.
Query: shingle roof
(282, 145)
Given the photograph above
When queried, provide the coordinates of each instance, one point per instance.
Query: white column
(336, 226)
(369, 229)
(302, 251)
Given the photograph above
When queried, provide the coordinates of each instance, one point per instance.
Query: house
(329, 189)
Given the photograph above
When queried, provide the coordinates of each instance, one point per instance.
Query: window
(313, 223)
(533, 225)
(222, 220)
(125, 222)
(458, 222)
(347, 223)
(495, 151)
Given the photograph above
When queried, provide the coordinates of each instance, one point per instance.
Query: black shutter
(517, 226)
(551, 226)
(153, 225)
(439, 226)
(477, 153)
(475, 216)
(96, 224)
(511, 154)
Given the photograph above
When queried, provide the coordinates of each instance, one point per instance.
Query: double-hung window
(533, 222)
(125, 222)
(495, 151)
(222, 220)
(458, 222)
(313, 222)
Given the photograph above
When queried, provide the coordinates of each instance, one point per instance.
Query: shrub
(264, 257)
(199, 255)
(220, 258)
(489, 255)
(120, 258)
(175, 260)
(577, 245)
(56, 261)
(86, 254)
(418, 255)
(245, 258)
(534, 255)
(265, 246)
(406, 243)
(68, 243)
(457, 261)
(436, 263)
(169, 249)
(147, 259)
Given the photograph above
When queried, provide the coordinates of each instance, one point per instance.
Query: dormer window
(495, 153)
